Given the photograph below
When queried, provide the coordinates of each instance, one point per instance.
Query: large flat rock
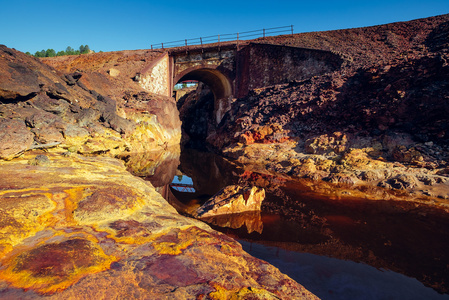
(74, 227)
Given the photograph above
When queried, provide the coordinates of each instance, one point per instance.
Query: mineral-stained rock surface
(84, 228)
(83, 111)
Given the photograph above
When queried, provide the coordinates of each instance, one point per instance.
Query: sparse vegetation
(83, 49)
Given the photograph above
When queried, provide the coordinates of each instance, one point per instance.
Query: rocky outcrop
(232, 200)
(74, 226)
(85, 112)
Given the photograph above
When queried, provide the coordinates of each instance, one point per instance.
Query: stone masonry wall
(156, 80)
(262, 65)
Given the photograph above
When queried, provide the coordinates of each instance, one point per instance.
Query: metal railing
(220, 38)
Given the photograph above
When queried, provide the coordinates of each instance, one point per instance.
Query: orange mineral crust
(54, 266)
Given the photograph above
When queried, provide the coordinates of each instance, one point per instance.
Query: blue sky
(136, 24)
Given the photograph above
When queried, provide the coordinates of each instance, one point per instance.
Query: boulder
(113, 72)
(38, 118)
(15, 138)
(231, 200)
(48, 135)
(74, 131)
(17, 81)
(87, 116)
(55, 106)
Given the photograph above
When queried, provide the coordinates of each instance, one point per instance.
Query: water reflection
(251, 220)
(407, 238)
(182, 183)
(331, 278)
(158, 167)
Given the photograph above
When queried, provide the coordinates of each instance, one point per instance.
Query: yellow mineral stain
(236, 294)
(23, 216)
(171, 248)
(129, 240)
(185, 238)
(227, 250)
(48, 219)
(74, 195)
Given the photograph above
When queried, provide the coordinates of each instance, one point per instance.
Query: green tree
(50, 53)
(40, 53)
(69, 51)
(84, 49)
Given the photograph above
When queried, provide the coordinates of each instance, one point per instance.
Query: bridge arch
(218, 82)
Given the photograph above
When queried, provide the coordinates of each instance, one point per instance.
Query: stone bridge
(231, 71)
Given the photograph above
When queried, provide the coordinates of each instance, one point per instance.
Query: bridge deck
(181, 187)
(206, 48)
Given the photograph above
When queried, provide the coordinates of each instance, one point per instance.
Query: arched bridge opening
(202, 108)
(219, 84)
